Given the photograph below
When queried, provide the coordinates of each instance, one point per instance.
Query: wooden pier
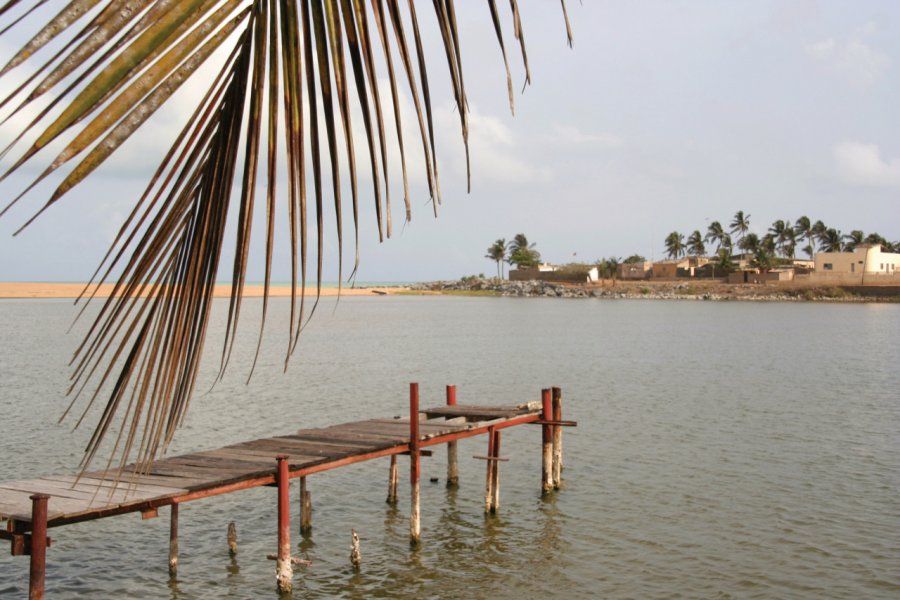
(32, 507)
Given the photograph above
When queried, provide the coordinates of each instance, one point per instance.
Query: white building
(866, 258)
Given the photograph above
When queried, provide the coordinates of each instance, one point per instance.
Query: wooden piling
(355, 555)
(489, 477)
(547, 430)
(557, 437)
(452, 458)
(173, 541)
(305, 508)
(38, 567)
(232, 539)
(495, 474)
(393, 480)
(284, 572)
(414, 470)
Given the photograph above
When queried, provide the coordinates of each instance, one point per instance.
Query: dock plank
(94, 493)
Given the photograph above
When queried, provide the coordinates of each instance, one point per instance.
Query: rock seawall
(671, 290)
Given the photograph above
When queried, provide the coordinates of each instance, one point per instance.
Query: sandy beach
(73, 290)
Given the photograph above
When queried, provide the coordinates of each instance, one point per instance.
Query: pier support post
(38, 567)
(547, 431)
(284, 571)
(489, 477)
(557, 437)
(393, 478)
(414, 471)
(305, 508)
(173, 541)
(452, 458)
(355, 554)
(232, 539)
(495, 474)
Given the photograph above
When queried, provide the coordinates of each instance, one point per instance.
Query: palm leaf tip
(290, 69)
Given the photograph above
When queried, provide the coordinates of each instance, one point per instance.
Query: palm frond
(291, 68)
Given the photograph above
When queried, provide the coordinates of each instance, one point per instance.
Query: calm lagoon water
(724, 450)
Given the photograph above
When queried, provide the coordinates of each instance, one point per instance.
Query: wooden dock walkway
(31, 506)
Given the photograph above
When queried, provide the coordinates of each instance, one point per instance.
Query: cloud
(569, 134)
(851, 57)
(861, 164)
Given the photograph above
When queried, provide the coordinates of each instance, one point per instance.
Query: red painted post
(284, 571)
(38, 569)
(547, 430)
(414, 472)
(452, 457)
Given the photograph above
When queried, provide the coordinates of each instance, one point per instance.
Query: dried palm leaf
(293, 68)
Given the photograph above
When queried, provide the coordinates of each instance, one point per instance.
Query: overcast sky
(665, 116)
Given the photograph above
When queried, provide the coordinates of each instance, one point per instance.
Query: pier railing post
(452, 458)
(557, 437)
(173, 541)
(414, 472)
(547, 431)
(38, 569)
(284, 571)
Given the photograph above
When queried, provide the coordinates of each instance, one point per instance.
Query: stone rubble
(547, 289)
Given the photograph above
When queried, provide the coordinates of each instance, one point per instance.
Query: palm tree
(523, 254)
(853, 239)
(284, 77)
(695, 244)
(762, 259)
(803, 228)
(783, 234)
(875, 238)
(723, 262)
(740, 225)
(819, 230)
(497, 252)
(749, 243)
(715, 233)
(831, 241)
(674, 244)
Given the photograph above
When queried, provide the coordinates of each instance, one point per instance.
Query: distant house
(866, 258)
(678, 267)
(565, 274)
(754, 276)
(638, 270)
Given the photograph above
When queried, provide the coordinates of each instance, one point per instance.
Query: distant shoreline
(48, 290)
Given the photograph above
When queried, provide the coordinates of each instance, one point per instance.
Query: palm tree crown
(740, 225)
(674, 244)
(695, 244)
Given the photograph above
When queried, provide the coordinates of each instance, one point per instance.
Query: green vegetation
(523, 254)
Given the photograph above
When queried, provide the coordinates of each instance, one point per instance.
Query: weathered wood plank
(303, 447)
(91, 494)
(143, 486)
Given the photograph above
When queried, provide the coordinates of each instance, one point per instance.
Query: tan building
(638, 270)
(866, 258)
(678, 267)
